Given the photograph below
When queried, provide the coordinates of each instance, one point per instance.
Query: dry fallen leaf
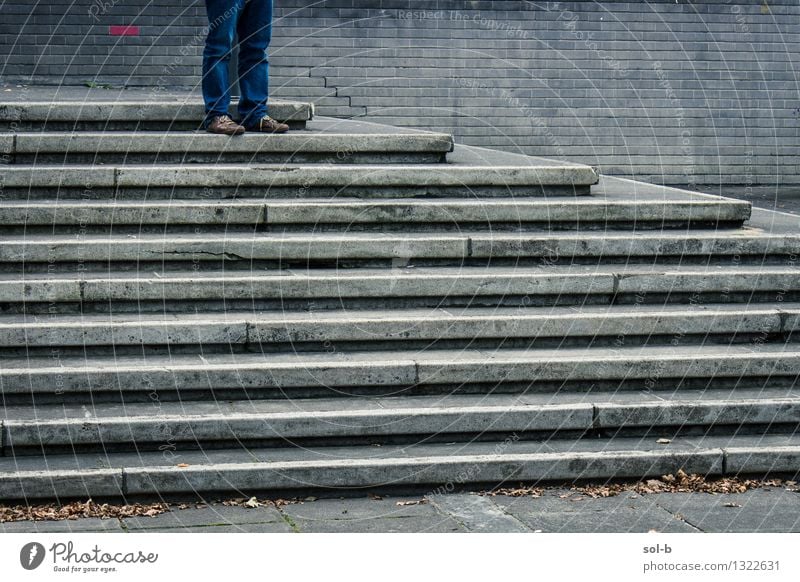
(663, 441)
(252, 502)
(681, 482)
(182, 465)
(731, 505)
(77, 510)
(520, 491)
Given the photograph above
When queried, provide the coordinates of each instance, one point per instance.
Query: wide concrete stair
(359, 306)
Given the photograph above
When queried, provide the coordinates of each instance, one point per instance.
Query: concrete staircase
(358, 306)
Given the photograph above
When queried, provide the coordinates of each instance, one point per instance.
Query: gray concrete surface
(539, 284)
(772, 509)
(249, 469)
(364, 326)
(276, 372)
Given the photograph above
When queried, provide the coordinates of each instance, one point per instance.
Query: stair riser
(466, 425)
(252, 157)
(294, 285)
(272, 378)
(218, 191)
(151, 113)
(225, 192)
(115, 147)
(256, 335)
(328, 216)
(329, 346)
(320, 228)
(301, 176)
(355, 304)
(658, 385)
(97, 125)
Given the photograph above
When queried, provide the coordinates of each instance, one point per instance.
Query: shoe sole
(226, 133)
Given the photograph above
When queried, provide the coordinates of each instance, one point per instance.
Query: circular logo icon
(31, 556)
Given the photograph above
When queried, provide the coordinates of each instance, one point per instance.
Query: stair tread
(276, 175)
(623, 271)
(428, 357)
(442, 314)
(345, 201)
(172, 108)
(610, 235)
(163, 142)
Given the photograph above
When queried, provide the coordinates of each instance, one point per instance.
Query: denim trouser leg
(223, 16)
(255, 33)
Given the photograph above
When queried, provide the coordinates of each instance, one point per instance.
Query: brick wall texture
(678, 92)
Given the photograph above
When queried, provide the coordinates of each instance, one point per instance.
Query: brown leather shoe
(268, 125)
(225, 125)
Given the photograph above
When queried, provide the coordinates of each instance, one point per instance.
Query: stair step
(270, 375)
(258, 330)
(583, 212)
(192, 147)
(315, 213)
(298, 180)
(145, 426)
(539, 284)
(154, 112)
(448, 247)
(432, 465)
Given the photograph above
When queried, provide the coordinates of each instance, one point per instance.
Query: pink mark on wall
(123, 30)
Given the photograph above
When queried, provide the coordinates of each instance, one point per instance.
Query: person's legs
(255, 33)
(223, 16)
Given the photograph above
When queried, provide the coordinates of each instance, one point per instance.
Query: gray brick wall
(675, 92)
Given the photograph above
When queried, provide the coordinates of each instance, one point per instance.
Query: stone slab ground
(773, 510)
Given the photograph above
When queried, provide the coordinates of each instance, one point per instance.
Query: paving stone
(477, 513)
(381, 525)
(368, 515)
(82, 525)
(759, 510)
(211, 516)
(268, 527)
(610, 515)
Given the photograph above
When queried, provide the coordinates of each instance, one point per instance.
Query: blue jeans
(252, 21)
